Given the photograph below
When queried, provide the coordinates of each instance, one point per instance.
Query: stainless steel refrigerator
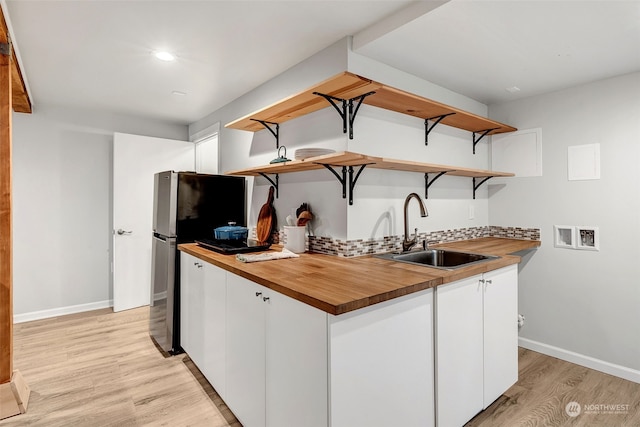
(187, 206)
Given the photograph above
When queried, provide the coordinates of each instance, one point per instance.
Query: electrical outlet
(472, 212)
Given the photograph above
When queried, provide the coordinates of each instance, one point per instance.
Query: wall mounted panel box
(583, 162)
(576, 237)
(564, 236)
(587, 238)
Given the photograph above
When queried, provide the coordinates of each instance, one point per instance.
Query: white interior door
(207, 155)
(135, 161)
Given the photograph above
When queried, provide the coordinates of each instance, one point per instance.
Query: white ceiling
(481, 48)
(96, 54)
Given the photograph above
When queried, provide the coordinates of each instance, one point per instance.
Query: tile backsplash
(359, 247)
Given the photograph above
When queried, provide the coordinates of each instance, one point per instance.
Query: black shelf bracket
(483, 134)
(343, 179)
(427, 128)
(428, 183)
(343, 111)
(476, 186)
(275, 133)
(352, 181)
(275, 183)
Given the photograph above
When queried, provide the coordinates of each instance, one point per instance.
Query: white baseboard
(61, 311)
(582, 360)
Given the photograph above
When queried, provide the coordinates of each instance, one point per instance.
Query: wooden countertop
(499, 246)
(338, 285)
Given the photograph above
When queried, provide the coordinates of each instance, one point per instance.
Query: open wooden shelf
(345, 88)
(348, 86)
(403, 102)
(345, 85)
(347, 158)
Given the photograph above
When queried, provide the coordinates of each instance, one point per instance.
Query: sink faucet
(409, 243)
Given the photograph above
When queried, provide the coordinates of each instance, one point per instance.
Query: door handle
(121, 232)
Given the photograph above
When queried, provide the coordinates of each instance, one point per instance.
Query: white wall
(241, 149)
(580, 301)
(62, 204)
(379, 194)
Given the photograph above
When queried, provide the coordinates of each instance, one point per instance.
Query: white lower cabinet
(381, 364)
(500, 332)
(246, 353)
(276, 358)
(459, 363)
(435, 357)
(203, 317)
(192, 307)
(476, 343)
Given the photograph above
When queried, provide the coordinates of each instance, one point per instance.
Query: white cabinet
(276, 358)
(476, 343)
(381, 364)
(296, 363)
(203, 317)
(214, 334)
(192, 307)
(246, 351)
(458, 351)
(435, 357)
(459, 366)
(500, 332)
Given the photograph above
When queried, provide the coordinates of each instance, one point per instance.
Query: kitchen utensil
(281, 157)
(303, 207)
(266, 219)
(231, 232)
(304, 218)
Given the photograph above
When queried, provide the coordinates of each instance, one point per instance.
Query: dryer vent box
(564, 236)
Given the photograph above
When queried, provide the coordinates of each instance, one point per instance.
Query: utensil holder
(294, 238)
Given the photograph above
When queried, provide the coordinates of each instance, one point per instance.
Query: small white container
(294, 238)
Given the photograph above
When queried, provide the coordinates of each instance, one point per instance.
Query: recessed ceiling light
(164, 56)
(178, 93)
(513, 89)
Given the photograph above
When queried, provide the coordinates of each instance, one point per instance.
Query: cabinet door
(459, 352)
(500, 332)
(296, 363)
(191, 307)
(214, 325)
(381, 364)
(185, 285)
(245, 369)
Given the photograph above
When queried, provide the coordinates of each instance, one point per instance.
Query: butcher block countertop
(338, 285)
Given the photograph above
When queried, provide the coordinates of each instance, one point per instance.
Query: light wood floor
(101, 369)
(545, 387)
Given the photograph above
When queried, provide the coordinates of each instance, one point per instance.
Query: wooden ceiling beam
(19, 95)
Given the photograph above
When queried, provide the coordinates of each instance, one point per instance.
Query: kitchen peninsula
(325, 340)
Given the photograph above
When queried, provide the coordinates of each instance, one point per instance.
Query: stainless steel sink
(438, 258)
